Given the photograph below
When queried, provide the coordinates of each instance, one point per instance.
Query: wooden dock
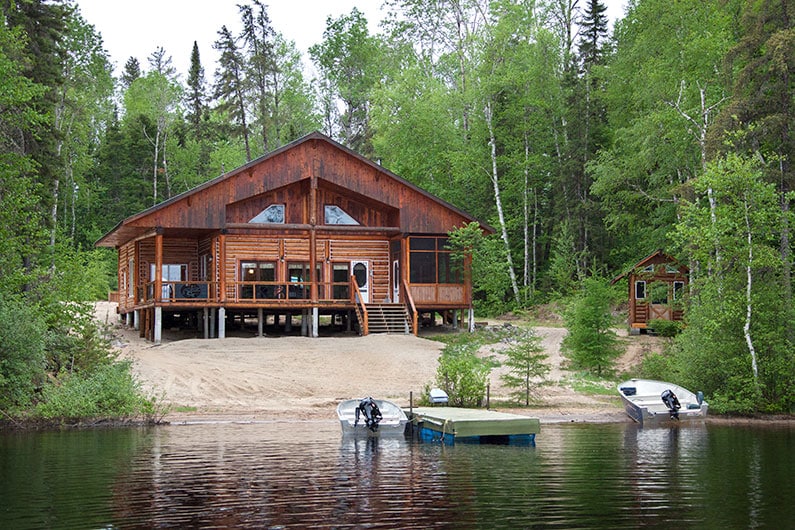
(451, 424)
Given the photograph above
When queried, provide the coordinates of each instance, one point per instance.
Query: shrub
(463, 375)
(666, 328)
(22, 333)
(110, 391)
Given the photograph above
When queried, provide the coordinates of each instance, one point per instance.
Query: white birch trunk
(748, 305)
(498, 200)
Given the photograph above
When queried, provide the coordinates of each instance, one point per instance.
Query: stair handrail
(412, 308)
(361, 308)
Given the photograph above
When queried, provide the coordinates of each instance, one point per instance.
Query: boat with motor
(371, 417)
(649, 401)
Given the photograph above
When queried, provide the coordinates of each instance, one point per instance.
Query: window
(258, 271)
(298, 273)
(273, 214)
(334, 215)
(679, 288)
(640, 290)
(171, 273)
(131, 278)
(340, 275)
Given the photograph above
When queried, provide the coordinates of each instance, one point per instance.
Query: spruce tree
(230, 85)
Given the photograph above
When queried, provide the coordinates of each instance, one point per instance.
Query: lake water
(304, 474)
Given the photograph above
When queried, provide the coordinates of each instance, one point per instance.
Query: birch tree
(736, 309)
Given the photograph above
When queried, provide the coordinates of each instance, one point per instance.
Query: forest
(585, 146)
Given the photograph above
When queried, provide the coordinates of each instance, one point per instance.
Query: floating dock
(452, 425)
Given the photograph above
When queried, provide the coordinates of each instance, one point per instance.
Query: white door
(396, 281)
(361, 271)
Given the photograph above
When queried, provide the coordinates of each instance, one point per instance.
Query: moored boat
(371, 417)
(649, 401)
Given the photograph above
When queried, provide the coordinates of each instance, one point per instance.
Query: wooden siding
(275, 176)
(374, 251)
(438, 295)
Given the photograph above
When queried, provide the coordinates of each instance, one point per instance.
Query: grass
(591, 385)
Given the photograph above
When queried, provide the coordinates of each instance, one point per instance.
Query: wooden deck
(452, 424)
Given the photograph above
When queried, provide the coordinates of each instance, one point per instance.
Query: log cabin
(312, 229)
(656, 286)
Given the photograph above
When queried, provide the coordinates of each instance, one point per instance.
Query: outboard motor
(672, 402)
(371, 413)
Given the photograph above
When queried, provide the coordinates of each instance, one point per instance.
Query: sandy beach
(249, 378)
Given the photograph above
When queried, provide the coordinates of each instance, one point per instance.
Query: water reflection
(305, 474)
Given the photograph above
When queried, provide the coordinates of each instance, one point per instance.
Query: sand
(268, 378)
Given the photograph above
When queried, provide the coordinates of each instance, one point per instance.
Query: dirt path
(262, 378)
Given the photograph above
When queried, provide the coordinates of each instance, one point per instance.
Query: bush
(22, 333)
(666, 328)
(463, 375)
(110, 391)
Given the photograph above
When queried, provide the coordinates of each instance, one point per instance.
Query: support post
(212, 322)
(137, 319)
(259, 322)
(206, 322)
(315, 321)
(158, 331)
(221, 322)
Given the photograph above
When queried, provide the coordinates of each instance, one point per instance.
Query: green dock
(451, 424)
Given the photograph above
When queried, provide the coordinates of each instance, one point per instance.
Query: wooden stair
(388, 318)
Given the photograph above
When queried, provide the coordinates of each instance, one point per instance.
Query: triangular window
(334, 215)
(273, 214)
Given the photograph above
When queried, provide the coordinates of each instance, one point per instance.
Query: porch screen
(430, 261)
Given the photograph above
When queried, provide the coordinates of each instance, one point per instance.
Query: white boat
(648, 401)
(371, 417)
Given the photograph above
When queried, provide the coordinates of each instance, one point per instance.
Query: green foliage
(737, 344)
(526, 364)
(22, 337)
(462, 375)
(591, 344)
(665, 328)
(107, 392)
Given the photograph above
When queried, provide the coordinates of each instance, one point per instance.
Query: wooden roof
(658, 256)
(202, 209)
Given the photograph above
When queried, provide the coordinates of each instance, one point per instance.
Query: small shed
(656, 286)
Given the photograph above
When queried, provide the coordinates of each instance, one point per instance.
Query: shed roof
(658, 256)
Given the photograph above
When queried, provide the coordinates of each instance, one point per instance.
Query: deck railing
(241, 292)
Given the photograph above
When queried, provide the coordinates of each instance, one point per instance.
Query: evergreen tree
(258, 38)
(526, 364)
(132, 71)
(591, 343)
(195, 97)
(230, 88)
(760, 117)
